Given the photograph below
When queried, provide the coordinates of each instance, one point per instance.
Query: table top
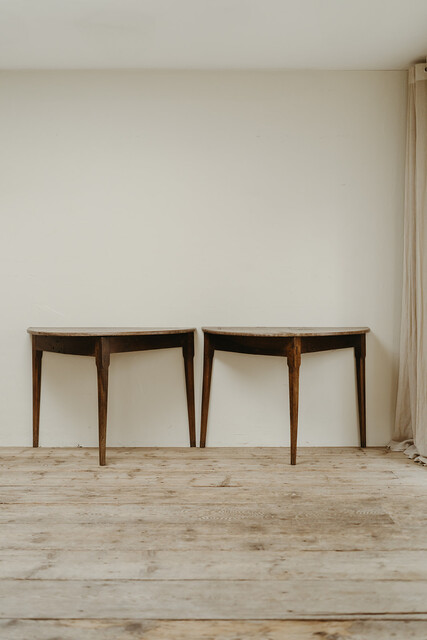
(105, 331)
(285, 332)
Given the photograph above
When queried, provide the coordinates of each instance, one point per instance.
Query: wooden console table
(289, 342)
(100, 343)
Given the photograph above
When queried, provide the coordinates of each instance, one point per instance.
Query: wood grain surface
(284, 332)
(225, 544)
(105, 331)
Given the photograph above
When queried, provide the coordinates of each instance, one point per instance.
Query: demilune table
(100, 343)
(289, 342)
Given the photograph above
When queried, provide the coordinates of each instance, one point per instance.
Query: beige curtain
(411, 410)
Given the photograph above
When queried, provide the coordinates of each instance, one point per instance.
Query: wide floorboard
(221, 543)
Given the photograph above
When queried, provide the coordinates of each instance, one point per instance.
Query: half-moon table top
(285, 332)
(105, 331)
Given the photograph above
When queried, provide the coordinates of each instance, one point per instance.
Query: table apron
(255, 345)
(78, 345)
(86, 345)
(310, 344)
(119, 344)
(279, 346)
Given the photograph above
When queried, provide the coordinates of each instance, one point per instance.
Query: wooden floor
(224, 544)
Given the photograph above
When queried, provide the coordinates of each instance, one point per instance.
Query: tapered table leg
(294, 362)
(37, 379)
(102, 356)
(207, 376)
(360, 355)
(188, 353)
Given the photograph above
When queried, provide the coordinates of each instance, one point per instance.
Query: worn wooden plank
(195, 478)
(221, 536)
(139, 460)
(322, 511)
(130, 564)
(209, 629)
(122, 493)
(181, 460)
(206, 599)
(122, 455)
(299, 540)
(14, 629)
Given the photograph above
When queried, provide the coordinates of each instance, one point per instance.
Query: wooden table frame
(100, 344)
(291, 345)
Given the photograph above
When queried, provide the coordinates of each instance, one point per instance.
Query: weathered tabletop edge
(104, 331)
(286, 332)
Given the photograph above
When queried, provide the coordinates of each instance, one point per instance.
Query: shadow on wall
(146, 404)
(382, 366)
(328, 413)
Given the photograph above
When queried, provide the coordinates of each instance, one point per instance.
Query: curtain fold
(410, 433)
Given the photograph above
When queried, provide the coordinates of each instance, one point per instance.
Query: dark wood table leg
(360, 355)
(102, 355)
(207, 377)
(294, 362)
(37, 380)
(188, 353)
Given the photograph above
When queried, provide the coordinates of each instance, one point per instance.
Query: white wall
(200, 198)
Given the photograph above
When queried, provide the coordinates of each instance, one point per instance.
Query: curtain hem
(409, 449)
